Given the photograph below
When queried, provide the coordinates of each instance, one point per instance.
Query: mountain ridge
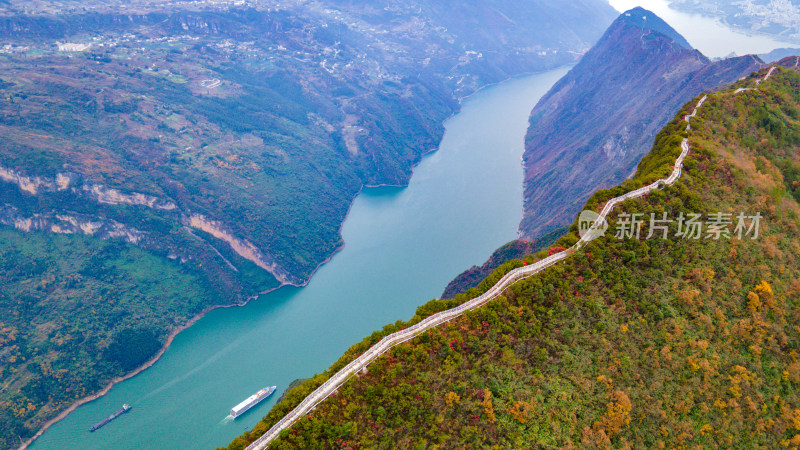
(593, 351)
(645, 19)
(598, 120)
(211, 144)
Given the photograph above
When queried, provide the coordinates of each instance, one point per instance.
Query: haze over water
(712, 37)
(403, 245)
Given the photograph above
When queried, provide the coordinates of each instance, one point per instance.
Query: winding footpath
(596, 230)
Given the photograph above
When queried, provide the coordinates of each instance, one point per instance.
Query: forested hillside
(671, 340)
(161, 157)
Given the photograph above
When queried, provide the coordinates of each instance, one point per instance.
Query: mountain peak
(648, 20)
(600, 119)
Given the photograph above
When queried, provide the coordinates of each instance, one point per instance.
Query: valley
(461, 203)
(629, 341)
(227, 141)
(416, 328)
(163, 161)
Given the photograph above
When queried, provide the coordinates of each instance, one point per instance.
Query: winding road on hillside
(596, 230)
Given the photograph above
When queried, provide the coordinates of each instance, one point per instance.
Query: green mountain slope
(66, 328)
(224, 144)
(630, 342)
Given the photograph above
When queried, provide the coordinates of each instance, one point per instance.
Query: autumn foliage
(628, 343)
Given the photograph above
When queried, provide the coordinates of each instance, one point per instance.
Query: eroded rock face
(55, 221)
(35, 184)
(115, 197)
(590, 131)
(242, 247)
(297, 106)
(69, 224)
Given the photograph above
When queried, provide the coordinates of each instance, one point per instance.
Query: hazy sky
(708, 35)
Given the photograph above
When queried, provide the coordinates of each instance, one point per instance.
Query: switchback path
(512, 277)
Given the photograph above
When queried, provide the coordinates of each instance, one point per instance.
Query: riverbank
(171, 336)
(409, 331)
(358, 288)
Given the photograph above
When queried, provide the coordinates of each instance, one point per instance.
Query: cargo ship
(125, 408)
(251, 401)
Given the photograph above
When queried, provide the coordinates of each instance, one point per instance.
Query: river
(403, 245)
(709, 35)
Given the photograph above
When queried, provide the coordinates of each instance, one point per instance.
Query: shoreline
(406, 333)
(154, 359)
(177, 330)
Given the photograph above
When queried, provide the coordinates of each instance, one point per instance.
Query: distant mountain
(160, 157)
(626, 343)
(778, 54)
(590, 130)
(779, 19)
(790, 62)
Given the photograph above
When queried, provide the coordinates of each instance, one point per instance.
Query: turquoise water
(403, 245)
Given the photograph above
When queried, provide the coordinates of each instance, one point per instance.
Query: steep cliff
(161, 157)
(631, 342)
(590, 130)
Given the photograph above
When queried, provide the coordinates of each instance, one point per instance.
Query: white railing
(358, 364)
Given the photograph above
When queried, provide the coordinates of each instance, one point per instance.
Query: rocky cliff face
(220, 147)
(266, 119)
(594, 125)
